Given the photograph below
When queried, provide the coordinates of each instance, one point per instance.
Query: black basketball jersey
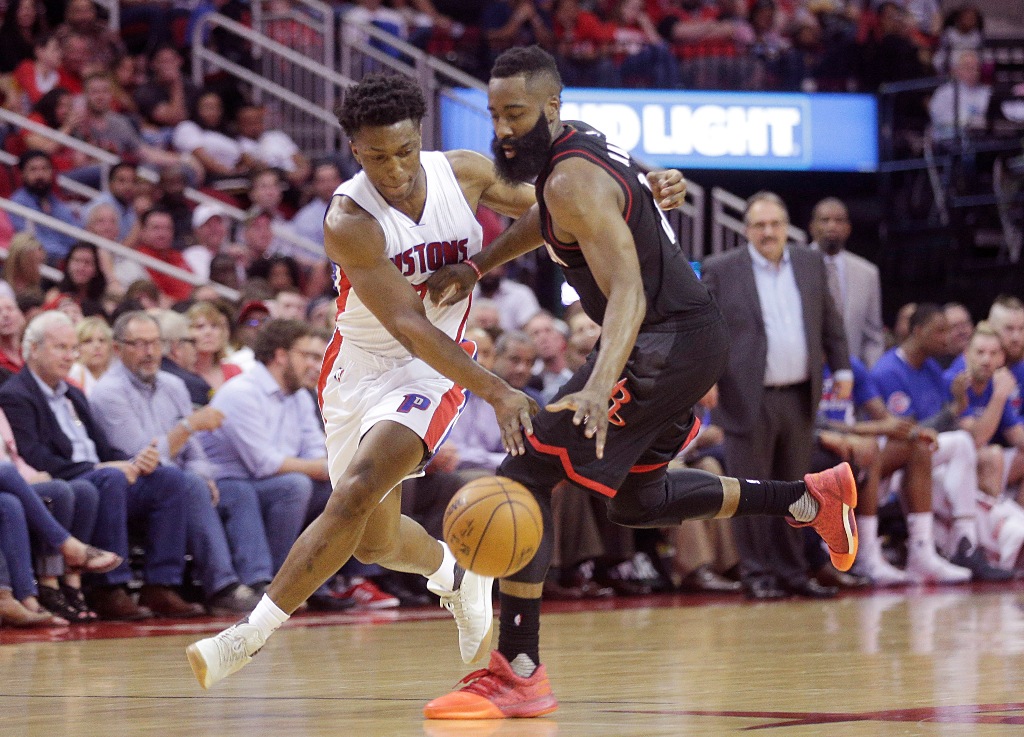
(674, 293)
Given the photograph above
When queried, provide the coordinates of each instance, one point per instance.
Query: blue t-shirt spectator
(909, 392)
(978, 401)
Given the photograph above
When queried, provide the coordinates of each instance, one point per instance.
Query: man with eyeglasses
(56, 432)
(180, 355)
(137, 404)
(270, 439)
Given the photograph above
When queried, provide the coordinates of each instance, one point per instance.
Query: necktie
(835, 285)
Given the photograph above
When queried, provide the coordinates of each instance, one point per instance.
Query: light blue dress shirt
(783, 315)
(262, 426)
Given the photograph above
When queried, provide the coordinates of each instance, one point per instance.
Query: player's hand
(451, 284)
(958, 388)
(515, 411)
(591, 411)
(668, 186)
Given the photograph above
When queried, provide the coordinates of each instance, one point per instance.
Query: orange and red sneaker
(496, 692)
(836, 492)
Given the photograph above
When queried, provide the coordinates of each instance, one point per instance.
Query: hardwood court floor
(943, 662)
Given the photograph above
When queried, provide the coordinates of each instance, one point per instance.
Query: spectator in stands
(911, 383)
(853, 281)
(270, 439)
(274, 149)
(225, 270)
(958, 335)
(486, 315)
(119, 270)
(640, 53)
(36, 193)
(57, 434)
(95, 352)
(257, 237)
(708, 38)
(180, 355)
(210, 231)
(42, 73)
(112, 131)
(23, 25)
(309, 220)
(516, 302)
(81, 18)
(549, 338)
(926, 17)
(266, 195)
(1006, 316)
(170, 196)
(289, 304)
(279, 272)
(963, 29)
(12, 322)
(25, 256)
(205, 136)
(320, 312)
(210, 329)
(250, 321)
(892, 53)
(156, 239)
(768, 44)
(583, 42)
(55, 110)
(83, 280)
(508, 23)
(136, 404)
(120, 194)
(166, 98)
(959, 108)
(77, 62)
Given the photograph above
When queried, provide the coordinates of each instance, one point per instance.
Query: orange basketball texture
(493, 526)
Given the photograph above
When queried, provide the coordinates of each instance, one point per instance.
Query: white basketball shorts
(358, 390)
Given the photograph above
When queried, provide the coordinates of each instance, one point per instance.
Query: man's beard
(39, 190)
(531, 154)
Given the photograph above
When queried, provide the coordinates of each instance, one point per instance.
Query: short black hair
(29, 156)
(380, 100)
(529, 61)
(279, 334)
(144, 218)
(923, 315)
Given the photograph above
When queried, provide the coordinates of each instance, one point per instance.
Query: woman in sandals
(63, 556)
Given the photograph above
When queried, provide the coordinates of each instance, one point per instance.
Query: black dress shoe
(976, 561)
(704, 580)
(829, 575)
(328, 603)
(761, 588)
(811, 589)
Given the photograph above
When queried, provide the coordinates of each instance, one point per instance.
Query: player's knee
(990, 458)
(379, 552)
(354, 497)
(625, 512)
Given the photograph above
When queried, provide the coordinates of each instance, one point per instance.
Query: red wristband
(474, 267)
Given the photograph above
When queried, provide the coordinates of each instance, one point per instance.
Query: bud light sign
(704, 130)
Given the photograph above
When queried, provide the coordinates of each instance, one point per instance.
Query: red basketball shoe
(836, 492)
(496, 692)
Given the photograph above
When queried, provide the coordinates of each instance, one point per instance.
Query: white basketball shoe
(217, 657)
(470, 604)
(924, 565)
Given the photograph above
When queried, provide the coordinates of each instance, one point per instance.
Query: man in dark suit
(56, 433)
(784, 325)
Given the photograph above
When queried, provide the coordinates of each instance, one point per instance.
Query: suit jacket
(40, 439)
(730, 277)
(862, 310)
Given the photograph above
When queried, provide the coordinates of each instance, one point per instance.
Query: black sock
(768, 497)
(520, 628)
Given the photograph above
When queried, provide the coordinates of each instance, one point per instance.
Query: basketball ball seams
(481, 544)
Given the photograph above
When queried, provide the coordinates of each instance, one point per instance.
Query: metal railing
(42, 219)
(113, 8)
(102, 156)
(727, 228)
(313, 126)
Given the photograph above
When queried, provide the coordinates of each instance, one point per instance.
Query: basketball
(493, 526)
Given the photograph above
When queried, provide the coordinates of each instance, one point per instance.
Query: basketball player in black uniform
(620, 419)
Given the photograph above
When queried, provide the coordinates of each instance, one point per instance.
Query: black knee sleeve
(666, 499)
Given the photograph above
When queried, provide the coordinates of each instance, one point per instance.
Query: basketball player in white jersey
(393, 377)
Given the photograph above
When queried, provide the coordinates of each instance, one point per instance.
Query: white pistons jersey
(448, 232)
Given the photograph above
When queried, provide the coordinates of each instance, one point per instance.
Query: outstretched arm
(355, 242)
(586, 206)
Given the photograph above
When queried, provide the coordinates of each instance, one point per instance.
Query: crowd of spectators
(165, 448)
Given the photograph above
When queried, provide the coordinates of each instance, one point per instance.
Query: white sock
(804, 509)
(523, 666)
(267, 616)
(867, 528)
(919, 529)
(445, 575)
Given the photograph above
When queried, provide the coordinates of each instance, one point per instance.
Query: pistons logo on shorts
(899, 403)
